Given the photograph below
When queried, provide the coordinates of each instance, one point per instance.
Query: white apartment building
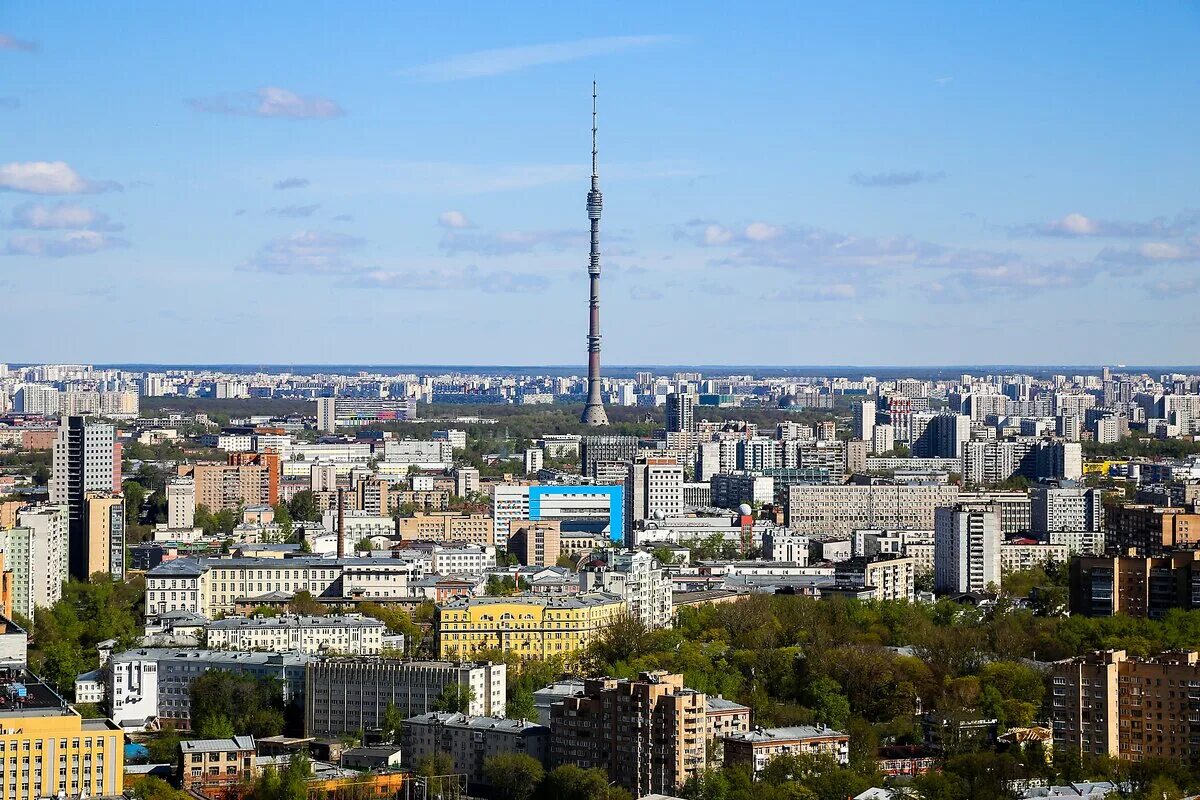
(349, 634)
(95, 460)
(653, 488)
(637, 578)
(509, 502)
(326, 414)
(181, 503)
(821, 509)
(469, 560)
(1020, 556)
(359, 524)
(1079, 543)
(213, 586)
(967, 539)
(784, 544)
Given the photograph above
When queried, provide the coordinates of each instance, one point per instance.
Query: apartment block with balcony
(648, 734)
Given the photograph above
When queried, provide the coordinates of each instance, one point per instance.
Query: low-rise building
(151, 684)
(471, 741)
(349, 634)
(216, 768)
(527, 625)
(346, 695)
(48, 750)
(757, 747)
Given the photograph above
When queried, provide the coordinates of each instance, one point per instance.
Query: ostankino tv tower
(593, 412)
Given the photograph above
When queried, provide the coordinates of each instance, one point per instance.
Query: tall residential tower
(593, 412)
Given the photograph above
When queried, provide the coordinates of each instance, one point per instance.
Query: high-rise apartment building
(326, 414)
(864, 420)
(595, 449)
(85, 460)
(636, 577)
(1066, 508)
(680, 412)
(1151, 530)
(1107, 703)
(104, 515)
(181, 503)
(647, 734)
(967, 539)
(235, 485)
(36, 552)
(653, 486)
(1139, 586)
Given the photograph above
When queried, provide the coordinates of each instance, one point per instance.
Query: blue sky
(784, 183)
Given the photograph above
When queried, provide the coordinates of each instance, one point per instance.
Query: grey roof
(582, 600)
(789, 734)
(451, 719)
(195, 566)
(712, 703)
(217, 745)
(294, 621)
(215, 657)
(381, 751)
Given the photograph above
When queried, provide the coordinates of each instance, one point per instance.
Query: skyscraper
(84, 461)
(680, 416)
(593, 411)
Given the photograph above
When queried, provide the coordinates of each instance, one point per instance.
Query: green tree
(288, 783)
(364, 545)
(225, 701)
(520, 704)
(513, 776)
(303, 507)
(154, 788)
(204, 520)
(569, 782)
(303, 602)
(164, 748)
(283, 518)
(135, 498)
(456, 698)
(392, 723)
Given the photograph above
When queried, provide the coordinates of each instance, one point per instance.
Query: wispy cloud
(456, 280)
(454, 219)
(59, 216)
(1154, 253)
(306, 252)
(290, 183)
(269, 102)
(294, 212)
(887, 180)
(1077, 225)
(73, 243)
(503, 243)
(9, 103)
(486, 63)
(9, 42)
(825, 293)
(49, 177)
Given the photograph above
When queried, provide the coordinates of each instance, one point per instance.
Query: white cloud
(59, 216)
(270, 102)
(454, 280)
(1151, 253)
(454, 219)
(486, 63)
(72, 243)
(717, 235)
(48, 177)
(1079, 225)
(502, 243)
(831, 292)
(306, 252)
(762, 232)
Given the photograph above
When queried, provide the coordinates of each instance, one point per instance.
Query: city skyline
(784, 188)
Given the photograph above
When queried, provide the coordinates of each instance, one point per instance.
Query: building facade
(528, 626)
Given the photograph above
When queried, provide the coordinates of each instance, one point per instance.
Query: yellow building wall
(67, 756)
(523, 628)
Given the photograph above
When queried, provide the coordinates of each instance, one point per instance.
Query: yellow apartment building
(529, 626)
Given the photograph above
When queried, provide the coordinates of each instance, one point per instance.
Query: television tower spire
(593, 411)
